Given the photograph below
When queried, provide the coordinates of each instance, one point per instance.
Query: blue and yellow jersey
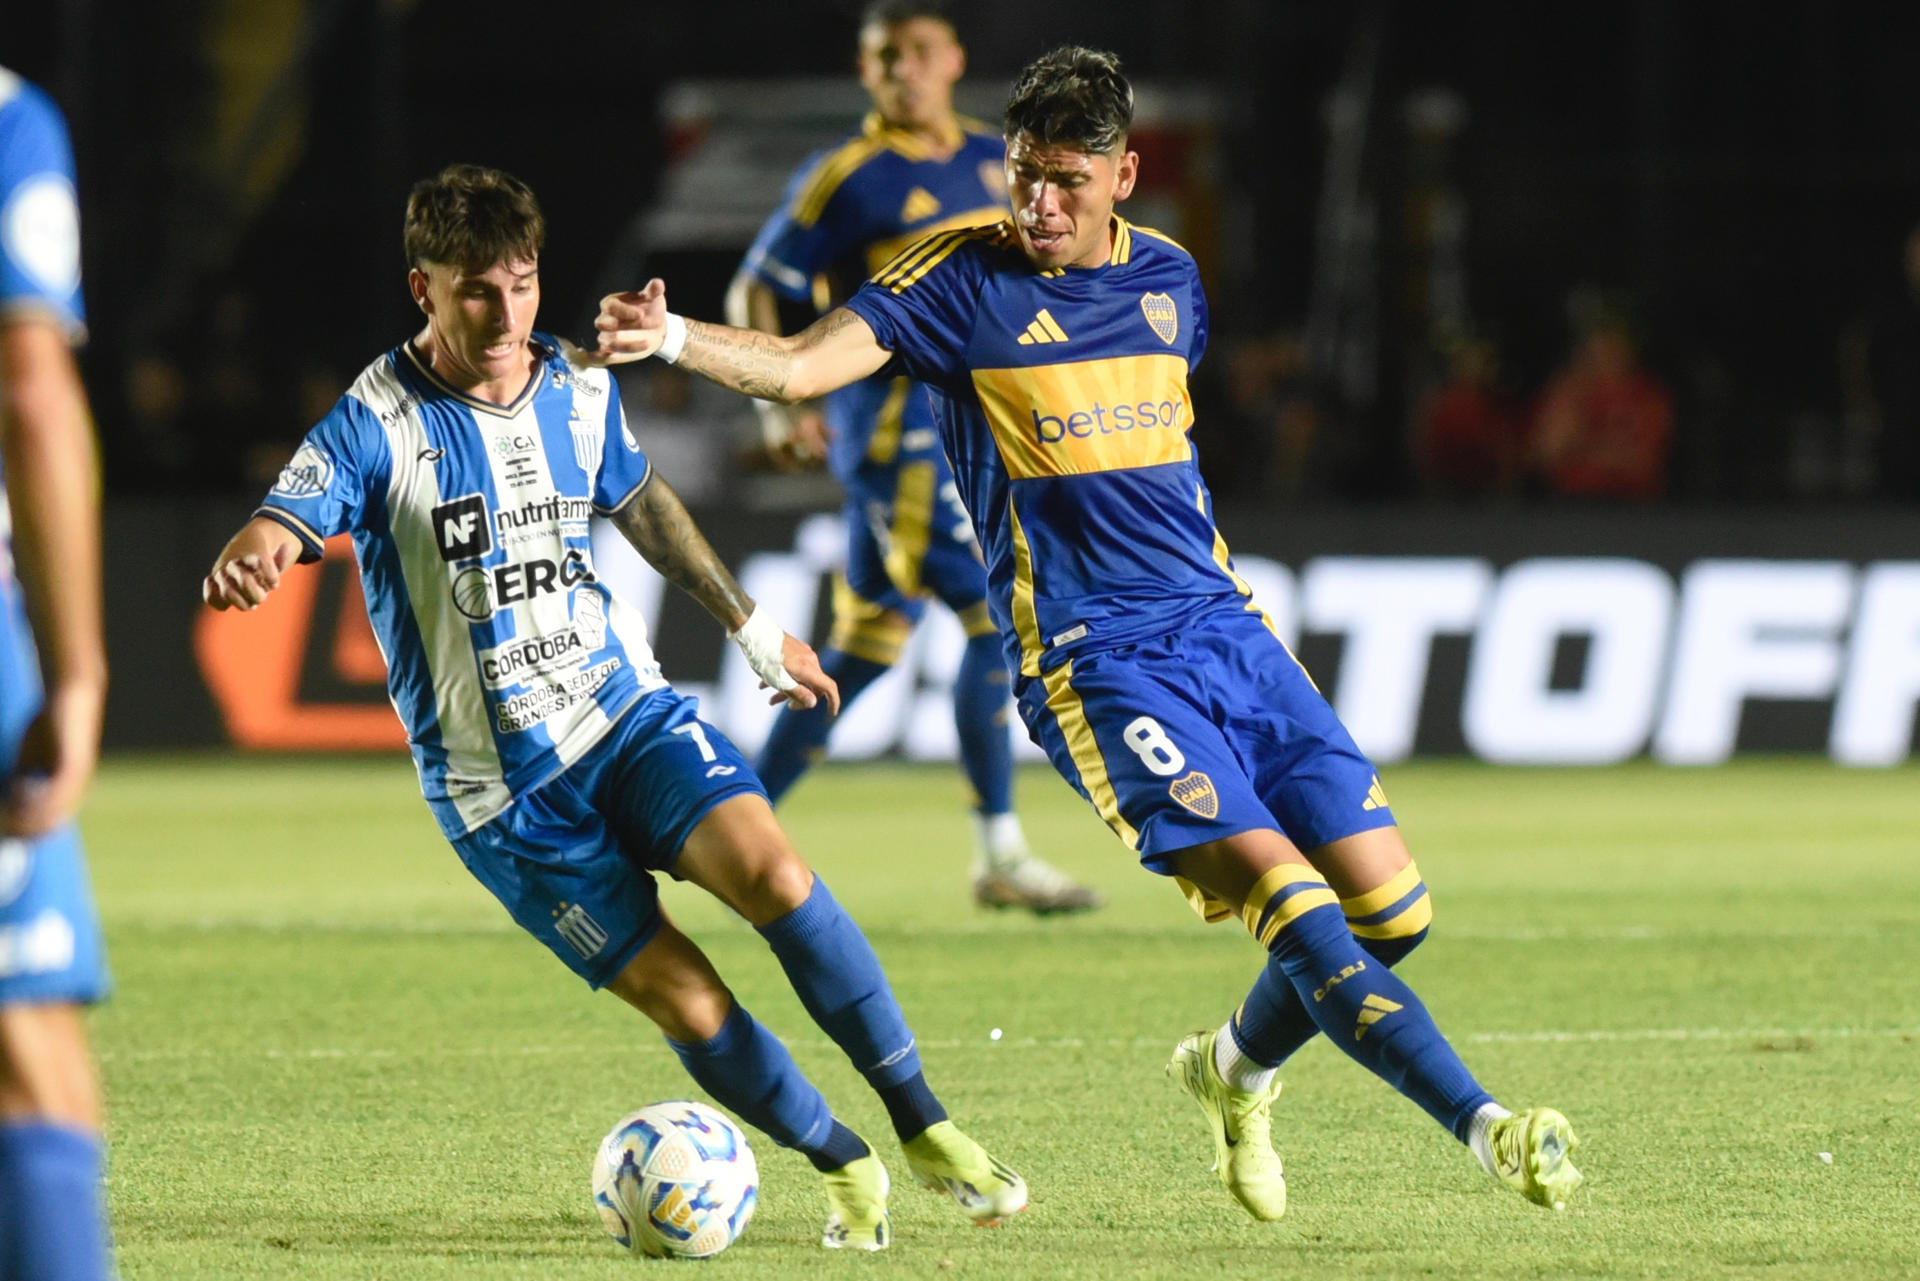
(1062, 402)
(847, 213)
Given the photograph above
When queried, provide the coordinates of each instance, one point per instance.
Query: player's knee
(46, 1070)
(772, 880)
(1393, 918)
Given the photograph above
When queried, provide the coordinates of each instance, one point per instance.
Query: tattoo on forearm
(744, 359)
(656, 522)
(756, 363)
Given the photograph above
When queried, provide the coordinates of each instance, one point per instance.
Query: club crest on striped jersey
(1195, 791)
(1162, 316)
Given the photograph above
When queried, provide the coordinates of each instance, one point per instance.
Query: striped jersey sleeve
(921, 305)
(325, 487)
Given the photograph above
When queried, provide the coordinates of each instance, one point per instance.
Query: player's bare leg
(46, 1070)
(49, 1144)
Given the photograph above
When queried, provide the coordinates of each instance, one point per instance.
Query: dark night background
(1738, 180)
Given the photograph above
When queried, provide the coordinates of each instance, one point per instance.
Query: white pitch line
(1595, 1035)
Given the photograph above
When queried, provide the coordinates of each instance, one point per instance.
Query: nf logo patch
(1195, 791)
(461, 530)
(1162, 316)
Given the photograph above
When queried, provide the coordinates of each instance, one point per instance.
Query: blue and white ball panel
(1191, 738)
(675, 1179)
(50, 947)
(572, 861)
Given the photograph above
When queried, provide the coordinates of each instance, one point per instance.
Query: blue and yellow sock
(1352, 997)
(799, 738)
(747, 1070)
(980, 703)
(1388, 921)
(838, 978)
(52, 1215)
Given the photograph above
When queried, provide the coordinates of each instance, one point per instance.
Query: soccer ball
(675, 1179)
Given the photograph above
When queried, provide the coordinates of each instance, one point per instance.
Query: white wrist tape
(761, 641)
(775, 427)
(675, 341)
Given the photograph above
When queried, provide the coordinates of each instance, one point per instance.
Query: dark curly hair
(1074, 97)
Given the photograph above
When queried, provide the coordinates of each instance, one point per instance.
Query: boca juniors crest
(1195, 791)
(1162, 317)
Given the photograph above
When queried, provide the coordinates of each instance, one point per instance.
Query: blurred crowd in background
(1477, 252)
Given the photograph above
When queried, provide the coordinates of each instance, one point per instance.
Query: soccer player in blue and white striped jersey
(1058, 345)
(53, 678)
(563, 768)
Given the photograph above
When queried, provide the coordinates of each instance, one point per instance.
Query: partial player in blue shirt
(915, 168)
(563, 768)
(53, 679)
(1057, 346)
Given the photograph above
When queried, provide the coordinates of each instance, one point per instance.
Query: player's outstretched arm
(837, 349)
(249, 566)
(46, 437)
(660, 528)
(795, 435)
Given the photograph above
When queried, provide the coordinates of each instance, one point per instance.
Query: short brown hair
(471, 217)
(1073, 97)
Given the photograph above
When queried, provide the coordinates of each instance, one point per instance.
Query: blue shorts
(573, 860)
(50, 949)
(1203, 735)
(908, 538)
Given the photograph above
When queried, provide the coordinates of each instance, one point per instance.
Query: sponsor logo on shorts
(584, 934)
(1195, 791)
(43, 945)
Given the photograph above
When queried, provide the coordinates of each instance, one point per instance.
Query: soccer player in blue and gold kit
(915, 168)
(1058, 344)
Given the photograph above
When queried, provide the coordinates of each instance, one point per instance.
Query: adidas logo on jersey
(1376, 796)
(1044, 329)
(921, 205)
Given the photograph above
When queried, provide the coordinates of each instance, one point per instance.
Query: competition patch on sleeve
(307, 474)
(1088, 416)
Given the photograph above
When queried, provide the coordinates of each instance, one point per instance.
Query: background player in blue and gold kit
(52, 1225)
(916, 167)
(1058, 345)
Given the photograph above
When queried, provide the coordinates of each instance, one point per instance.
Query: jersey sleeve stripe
(1162, 236)
(299, 528)
(939, 255)
(827, 177)
(911, 257)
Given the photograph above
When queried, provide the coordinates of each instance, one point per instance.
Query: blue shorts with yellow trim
(50, 949)
(573, 860)
(1203, 735)
(909, 538)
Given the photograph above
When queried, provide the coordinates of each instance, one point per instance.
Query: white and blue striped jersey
(506, 657)
(40, 276)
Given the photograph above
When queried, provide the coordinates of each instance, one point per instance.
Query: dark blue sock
(838, 978)
(1388, 922)
(799, 738)
(747, 1070)
(52, 1214)
(1356, 1000)
(980, 703)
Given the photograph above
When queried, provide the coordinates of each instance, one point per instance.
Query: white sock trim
(1235, 1068)
(1000, 838)
(1477, 1133)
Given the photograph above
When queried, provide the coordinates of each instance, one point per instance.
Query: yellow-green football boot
(1242, 1122)
(943, 1159)
(857, 1197)
(1533, 1155)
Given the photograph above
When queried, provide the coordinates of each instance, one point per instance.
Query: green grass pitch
(330, 1055)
